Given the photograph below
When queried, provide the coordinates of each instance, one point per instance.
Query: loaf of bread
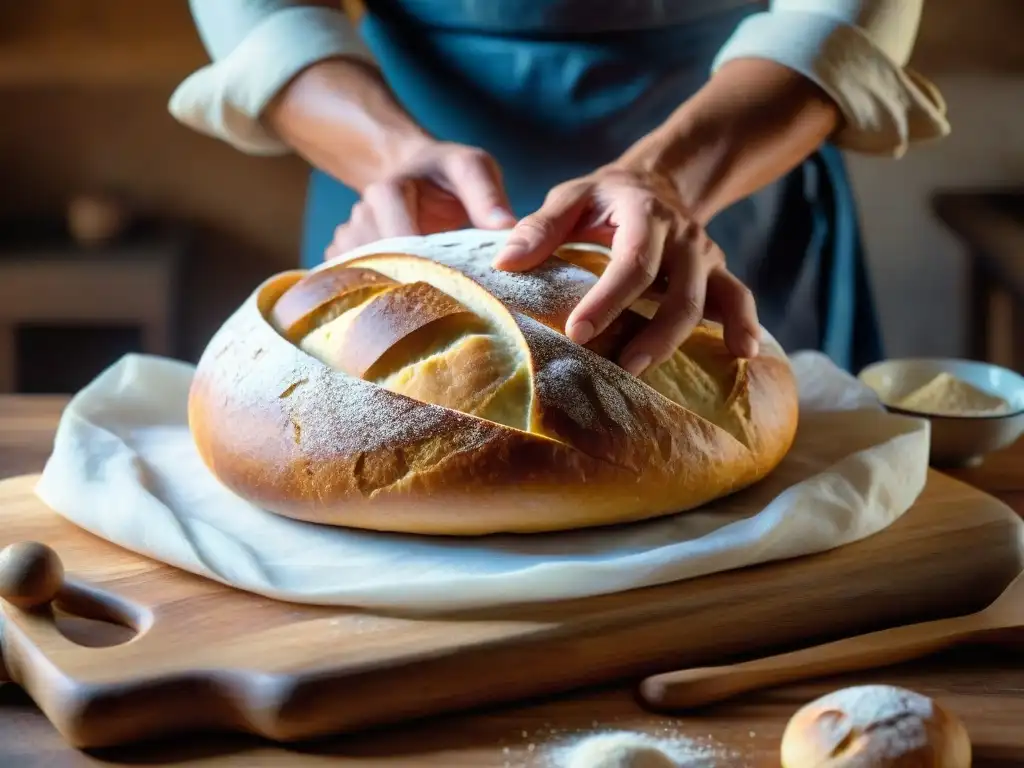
(411, 387)
(875, 726)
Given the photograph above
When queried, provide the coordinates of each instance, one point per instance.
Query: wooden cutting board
(209, 656)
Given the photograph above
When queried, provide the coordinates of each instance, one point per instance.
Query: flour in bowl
(946, 395)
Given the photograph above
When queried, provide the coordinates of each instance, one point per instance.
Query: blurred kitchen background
(121, 230)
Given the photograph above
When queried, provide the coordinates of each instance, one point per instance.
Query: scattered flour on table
(660, 746)
(627, 750)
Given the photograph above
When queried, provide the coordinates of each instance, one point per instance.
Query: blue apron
(551, 100)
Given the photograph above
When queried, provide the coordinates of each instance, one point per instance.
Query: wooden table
(984, 685)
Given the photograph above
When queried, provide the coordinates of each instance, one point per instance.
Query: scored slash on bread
(323, 296)
(411, 387)
(389, 318)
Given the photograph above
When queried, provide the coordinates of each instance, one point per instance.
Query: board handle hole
(94, 619)
(91, 633)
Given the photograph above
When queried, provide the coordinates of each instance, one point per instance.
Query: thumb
(536, 237)
(477, 184)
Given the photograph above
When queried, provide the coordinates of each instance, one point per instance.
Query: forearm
(752, 123)
(341, 116)
(789, 78)
(258, 48)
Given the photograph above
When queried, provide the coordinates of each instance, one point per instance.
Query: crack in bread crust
(443, 397)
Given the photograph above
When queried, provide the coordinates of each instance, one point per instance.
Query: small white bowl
(955, 440)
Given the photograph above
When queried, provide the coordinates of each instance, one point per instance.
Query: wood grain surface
(983, 686)
(208, 655)
(697, 687)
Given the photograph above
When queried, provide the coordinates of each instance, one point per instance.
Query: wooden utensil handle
(704, 685)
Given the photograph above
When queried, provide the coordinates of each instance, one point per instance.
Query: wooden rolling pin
(690, 688)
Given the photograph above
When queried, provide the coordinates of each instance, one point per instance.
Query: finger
(439, 210)
(635, 260)
(735, 308)
(680, 309)
(339, 245)
(536, 237)
(360, 229)
(394, 208)
(479, 187)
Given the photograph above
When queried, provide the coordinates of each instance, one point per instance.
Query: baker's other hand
(655, 243)
(436, 187)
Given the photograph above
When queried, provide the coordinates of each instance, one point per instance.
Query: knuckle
(620, 179)
(699, 242)
(341, 243)
(694, 236)
(684, 306)
(663, 345)
(605, 317)
(381, 191)
(534, 229)
(650, 206)
(566, 189)
(467, 160)
(691, 306)
(360, 215)
(371, 194)
(640, 264)
(692, 232)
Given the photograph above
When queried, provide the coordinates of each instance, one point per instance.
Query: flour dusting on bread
(471, 412)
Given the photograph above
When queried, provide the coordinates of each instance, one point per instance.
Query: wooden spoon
(689, 688)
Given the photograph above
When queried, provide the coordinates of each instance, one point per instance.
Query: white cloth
(124, 467)
(279, 39)
(856, 50)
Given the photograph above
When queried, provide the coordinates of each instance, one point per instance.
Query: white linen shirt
(856, 50)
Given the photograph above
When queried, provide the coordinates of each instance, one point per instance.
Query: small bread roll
(875, 726)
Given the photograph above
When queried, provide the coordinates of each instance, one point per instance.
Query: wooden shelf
(101, 42)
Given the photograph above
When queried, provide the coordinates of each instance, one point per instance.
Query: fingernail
(499, 217)
(508, 256)
(637, 365)
(581, 332)
(752, 343)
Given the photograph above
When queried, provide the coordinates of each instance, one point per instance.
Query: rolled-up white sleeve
(257, 47)
(857, 51)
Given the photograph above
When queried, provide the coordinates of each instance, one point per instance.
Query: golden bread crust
(518, 429)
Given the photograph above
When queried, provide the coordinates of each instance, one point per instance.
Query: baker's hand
(656, 244)
(438, 187)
